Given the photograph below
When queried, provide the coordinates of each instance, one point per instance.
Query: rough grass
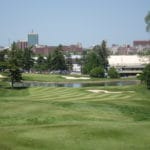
(44, 118)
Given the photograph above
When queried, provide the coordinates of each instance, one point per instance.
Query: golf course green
(50, 118)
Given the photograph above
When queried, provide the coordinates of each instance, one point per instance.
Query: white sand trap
(76, 78)
(1, 76)
(107, 92)
(102, 91)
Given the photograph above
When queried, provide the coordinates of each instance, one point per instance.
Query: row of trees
(16, 61)
(54, 61)
(95, 62)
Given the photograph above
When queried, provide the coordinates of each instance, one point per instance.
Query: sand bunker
(76, 78)
(102, 91)
(108, 92)
(1, 76)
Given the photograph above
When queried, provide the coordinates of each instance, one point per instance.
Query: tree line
(15, 61)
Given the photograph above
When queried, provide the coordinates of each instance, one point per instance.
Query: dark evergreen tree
(3, 59)
(58, 59)
(40, 64)
(145, 76)
(15, 56)
(49, 61)
(15, 63)
(102, 53)
(15, 74)
(28, 60)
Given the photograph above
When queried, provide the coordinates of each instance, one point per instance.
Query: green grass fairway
(45, 118)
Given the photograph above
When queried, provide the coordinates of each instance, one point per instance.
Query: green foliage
(3, 54)
(97, 57)
(97, 72)
(102, 53)
(28, 59)
(145, 76)
(112, 73)
(58, 59)
(49, 61)
(15, 75)
(91, 61)
(147, 21)
(15, 56)
(40, 64)
(15, 63)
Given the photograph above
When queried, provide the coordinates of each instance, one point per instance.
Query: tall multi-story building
(33, 39)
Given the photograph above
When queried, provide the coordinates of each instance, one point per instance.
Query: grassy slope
(59, 78)
(43, 118)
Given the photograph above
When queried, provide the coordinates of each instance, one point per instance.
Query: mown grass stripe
(46, 118)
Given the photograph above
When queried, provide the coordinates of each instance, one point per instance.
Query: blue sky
(71, 21)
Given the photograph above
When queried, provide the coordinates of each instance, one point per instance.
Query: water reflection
(75, 85)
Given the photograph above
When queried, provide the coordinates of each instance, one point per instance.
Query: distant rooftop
(32, 32)
(141, 43)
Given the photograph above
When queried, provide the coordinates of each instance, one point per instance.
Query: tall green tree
(28, 60)
(145, 76)
(15, 63)
(147, 21)
(49, 61)
(58, 59)
(15, 56)
(90, 62)
(3, 59)
(98, 57)
(102, 53)
(15, 74)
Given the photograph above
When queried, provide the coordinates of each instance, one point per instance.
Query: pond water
(75, 85)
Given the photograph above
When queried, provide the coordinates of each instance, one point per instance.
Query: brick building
(45, 50)
(22, 44)
(141, 45)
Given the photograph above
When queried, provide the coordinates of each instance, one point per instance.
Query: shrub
(112, 73)
(97, 72)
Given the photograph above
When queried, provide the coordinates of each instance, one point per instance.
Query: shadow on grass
(16, 88)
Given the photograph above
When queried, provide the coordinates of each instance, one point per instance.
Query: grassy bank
(60, 78)
(44, 118)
